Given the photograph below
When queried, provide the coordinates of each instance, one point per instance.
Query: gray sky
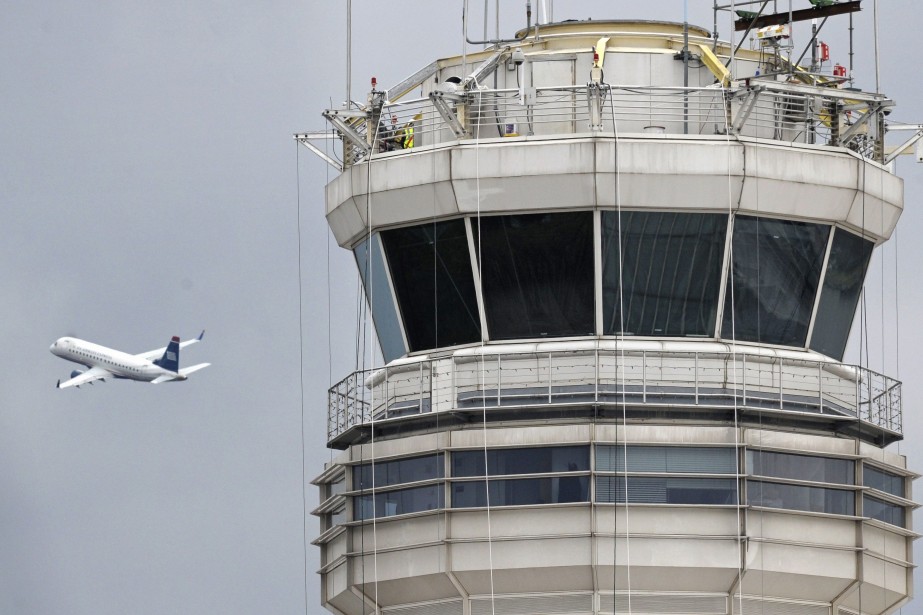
(149, 187)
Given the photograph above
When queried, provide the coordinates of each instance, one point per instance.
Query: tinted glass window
(671, 272)
(399, 502)
(775, 270)
(431, 272)
(671, 459)
(537, 274)
(522, 492)
(666, 490)
(801, 497)
(398, 471)
(801, 467)
(522, 461)
(883, 511)
(378, 292)
(849, 259)
(883, 481)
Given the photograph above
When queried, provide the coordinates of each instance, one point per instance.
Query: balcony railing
(609, 377)
(790, 113)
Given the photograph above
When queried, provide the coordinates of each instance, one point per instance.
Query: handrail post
(421, 389)
(781, 405)
(550, 377)
(743, 371)
(643, 376)
(498, 380)
(596, 376)
(820, 387)
(858, 403)
(695, 376)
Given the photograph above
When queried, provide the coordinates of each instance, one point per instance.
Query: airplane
(155, 366)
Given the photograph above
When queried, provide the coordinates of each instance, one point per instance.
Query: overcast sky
(149, 187)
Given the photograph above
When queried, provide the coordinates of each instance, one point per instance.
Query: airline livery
(155, 366)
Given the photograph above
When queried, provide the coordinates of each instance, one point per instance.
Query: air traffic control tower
(612, 281)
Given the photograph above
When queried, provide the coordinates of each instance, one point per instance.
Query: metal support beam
(595, 96)
(800, 15)
(485, 68)
(441, 101)
(338, 119)
(861, 122)
(746, 107)
(903, 147)
(306, 139)
(396, 91)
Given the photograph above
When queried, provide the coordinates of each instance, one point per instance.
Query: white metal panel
(749, 604)
(664, 603)
(444, 607)
(653, 520)
(543, 604)
(805, 529)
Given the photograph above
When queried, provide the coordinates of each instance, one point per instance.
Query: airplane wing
(150, 355)
(181, 375)
(91, 375)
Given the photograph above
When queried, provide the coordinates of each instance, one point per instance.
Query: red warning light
(374, 82)
(839, 70)
(824, 51)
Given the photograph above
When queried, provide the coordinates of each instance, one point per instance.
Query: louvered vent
(545, 604)
(446, 607)
(778, 607)
(666, 603)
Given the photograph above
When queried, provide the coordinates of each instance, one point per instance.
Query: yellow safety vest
(408, 137)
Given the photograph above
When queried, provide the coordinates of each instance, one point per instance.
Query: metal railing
(680, 379)
(766, 109)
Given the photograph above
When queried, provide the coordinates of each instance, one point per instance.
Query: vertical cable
(733, 345)
(371, 293)
(304, 495)
(477, 175)
(620, 364)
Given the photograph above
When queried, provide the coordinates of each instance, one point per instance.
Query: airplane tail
(170, 358)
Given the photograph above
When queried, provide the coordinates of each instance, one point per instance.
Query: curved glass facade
(537, 274)
(849, 259)
(775, 271)
(670, 273)
(656, 274)
(431, 271)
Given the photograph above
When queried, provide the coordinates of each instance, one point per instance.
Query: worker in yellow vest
(407, 136)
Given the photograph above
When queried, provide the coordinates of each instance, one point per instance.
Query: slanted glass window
(883, 511)
(801, 497)
(521, 461)
(399, 502)
(398, 471)
(537, 274)
(775, 271)
(378, 291)
(671, 273)
(431, 272)
(846, 267)
(801, 467)
(666, 490)
(666, 459)
(522, 491)
(883, 481)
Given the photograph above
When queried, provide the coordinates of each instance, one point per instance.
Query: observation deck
(612, 278)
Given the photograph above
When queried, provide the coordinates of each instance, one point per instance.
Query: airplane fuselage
(120, 364)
